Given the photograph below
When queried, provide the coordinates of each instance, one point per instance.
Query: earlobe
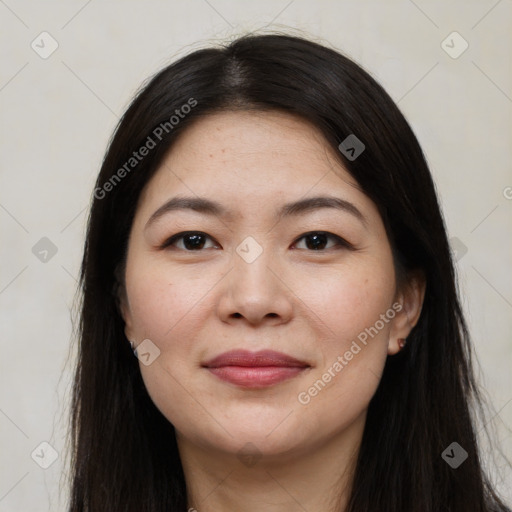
(410, 297)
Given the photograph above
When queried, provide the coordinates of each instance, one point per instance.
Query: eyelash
(340, 242)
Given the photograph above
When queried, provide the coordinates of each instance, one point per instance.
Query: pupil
(319, 241)
(194, 241)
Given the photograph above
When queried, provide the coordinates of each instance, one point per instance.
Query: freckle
(223, 150)
(211, 156)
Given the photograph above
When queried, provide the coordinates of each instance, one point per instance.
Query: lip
(255, 369)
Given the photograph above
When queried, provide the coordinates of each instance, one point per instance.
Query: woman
(266, 238)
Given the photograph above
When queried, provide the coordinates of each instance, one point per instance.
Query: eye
(196, 241)
(317, 240)
(192, 241)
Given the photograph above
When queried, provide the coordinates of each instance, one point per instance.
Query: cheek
(160, 299)
(166, 308)
(349, 299)
(356, 309)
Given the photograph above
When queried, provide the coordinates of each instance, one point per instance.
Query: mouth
(255, 369)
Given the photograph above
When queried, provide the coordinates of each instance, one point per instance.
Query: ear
(123, 305)
(124, 310)
(410, 296)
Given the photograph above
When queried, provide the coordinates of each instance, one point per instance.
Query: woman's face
(314, 283)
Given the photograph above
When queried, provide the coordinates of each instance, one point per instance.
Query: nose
(255, 293)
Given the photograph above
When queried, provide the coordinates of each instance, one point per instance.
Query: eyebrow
(213, 208)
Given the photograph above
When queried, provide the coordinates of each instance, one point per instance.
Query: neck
(318, 478)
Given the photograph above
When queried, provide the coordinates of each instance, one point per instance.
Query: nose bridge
(254, 288)
(254, 267)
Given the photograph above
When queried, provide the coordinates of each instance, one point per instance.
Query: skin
(194, 304)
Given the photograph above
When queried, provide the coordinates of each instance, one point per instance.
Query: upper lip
(254, 359)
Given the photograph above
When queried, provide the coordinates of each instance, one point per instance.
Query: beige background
(58, 112)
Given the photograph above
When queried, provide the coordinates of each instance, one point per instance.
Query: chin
(256, 440)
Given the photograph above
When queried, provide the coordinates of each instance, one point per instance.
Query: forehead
(246, 137)
(250, 158)
(251, 151)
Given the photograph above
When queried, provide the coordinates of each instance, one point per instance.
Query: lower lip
(256, 376)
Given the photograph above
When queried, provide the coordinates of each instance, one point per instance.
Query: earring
(401, 343)
(132, 345)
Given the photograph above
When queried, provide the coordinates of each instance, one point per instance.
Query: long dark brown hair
(123, 450)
